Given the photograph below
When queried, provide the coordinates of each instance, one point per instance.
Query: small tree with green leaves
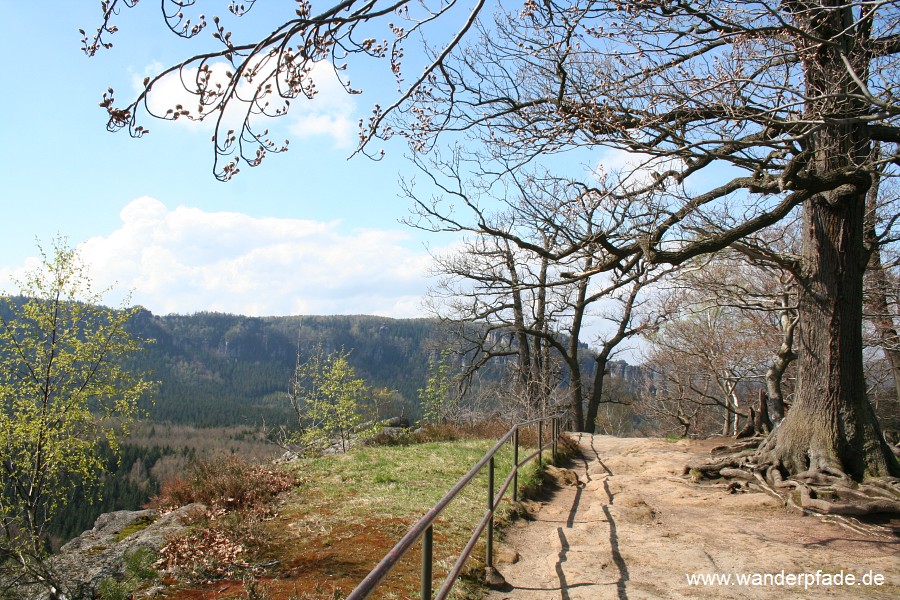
(330, 401)
(440, 403)
(64, 393)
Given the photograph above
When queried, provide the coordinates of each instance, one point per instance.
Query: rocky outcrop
(99, 554)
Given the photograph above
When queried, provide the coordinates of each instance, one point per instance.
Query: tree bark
(783, 358)
(832, 424)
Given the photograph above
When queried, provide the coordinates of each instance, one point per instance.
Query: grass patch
(347, 498)
(132, 528)
(348, 510)
(139, 572)
(395, 481)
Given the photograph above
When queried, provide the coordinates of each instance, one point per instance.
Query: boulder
(85, 561)
(397, 422)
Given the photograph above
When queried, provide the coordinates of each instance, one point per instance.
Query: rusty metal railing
(424, 528)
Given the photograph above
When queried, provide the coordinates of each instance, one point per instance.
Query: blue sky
(307, 232)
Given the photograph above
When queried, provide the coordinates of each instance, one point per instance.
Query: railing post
(540, 443)
(555, 426)
(516, 464)
(489, 559)
(427, 554)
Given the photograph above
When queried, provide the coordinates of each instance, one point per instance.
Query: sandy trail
(633, 528)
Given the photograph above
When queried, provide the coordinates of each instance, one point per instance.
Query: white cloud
(185, 260)
(330, 113)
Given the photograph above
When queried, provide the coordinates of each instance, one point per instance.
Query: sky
(307, 232)
(311, 231)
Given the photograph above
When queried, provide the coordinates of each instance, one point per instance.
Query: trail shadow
(572, 519)
(563, 557)
(588, 454)
(576, 501)
(616, 554)
(598, 459)
(613, 530)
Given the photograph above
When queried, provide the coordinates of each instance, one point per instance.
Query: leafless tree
(711, 356)
(881, 290)
(617, 414)
(525, 274)
(495, 301)
(670, 404)
(736, 111)
(758, 278)
(786, 99)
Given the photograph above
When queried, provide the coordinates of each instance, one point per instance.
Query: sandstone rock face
(84, 562)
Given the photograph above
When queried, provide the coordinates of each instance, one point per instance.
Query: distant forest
(218, 370)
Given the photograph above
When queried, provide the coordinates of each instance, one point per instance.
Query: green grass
(342, 513)
(402, 483)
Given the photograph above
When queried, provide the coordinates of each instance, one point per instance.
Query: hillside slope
(218, 369)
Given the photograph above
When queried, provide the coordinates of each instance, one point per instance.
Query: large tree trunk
(831, 424)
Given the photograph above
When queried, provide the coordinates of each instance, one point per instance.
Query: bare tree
(494, 298)
(525, 273)
(787, 99)
(668, 408)
(617, 413)
(737, 110)
(626, 323)
(881, 281)
(758, 277)
(711, 356)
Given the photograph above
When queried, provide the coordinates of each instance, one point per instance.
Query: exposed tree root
(744, 444)
(869, 530)
(822, 490)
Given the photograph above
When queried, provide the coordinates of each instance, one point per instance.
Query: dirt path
(633, 528)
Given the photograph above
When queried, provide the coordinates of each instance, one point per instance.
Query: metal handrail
(424, 528)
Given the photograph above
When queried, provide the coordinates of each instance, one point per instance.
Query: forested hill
(219, 369)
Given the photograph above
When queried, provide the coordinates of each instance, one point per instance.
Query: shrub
(229, 483)
(110, 589)
(449, 432)
(237, 495)
(384, 438)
